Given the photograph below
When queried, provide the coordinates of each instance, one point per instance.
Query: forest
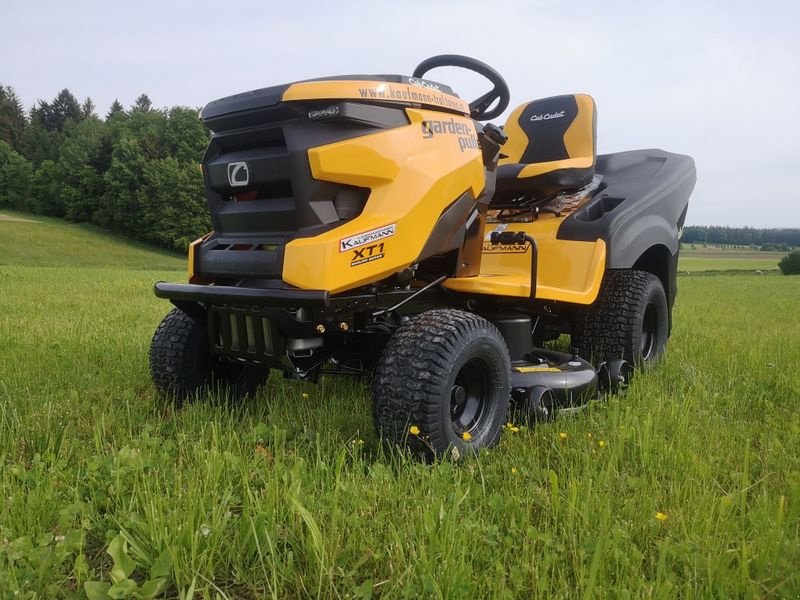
(135, 171)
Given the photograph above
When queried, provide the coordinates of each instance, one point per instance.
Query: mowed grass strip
(689, 485)
(698, 259)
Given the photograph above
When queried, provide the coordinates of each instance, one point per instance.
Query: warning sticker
(537, 369)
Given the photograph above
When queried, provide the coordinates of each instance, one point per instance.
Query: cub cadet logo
(466, 135)
(367, 254)
(238, 174)
(324, 113)
(505, 249)
(547, 116)
(362, 239)
(423, 84)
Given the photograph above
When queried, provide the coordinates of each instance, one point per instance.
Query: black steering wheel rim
(479, 108)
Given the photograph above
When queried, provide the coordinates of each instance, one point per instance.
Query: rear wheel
(442, 382)
(629, 320)
(182, 366)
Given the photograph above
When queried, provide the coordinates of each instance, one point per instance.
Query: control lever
(518, 238)
(490, 138)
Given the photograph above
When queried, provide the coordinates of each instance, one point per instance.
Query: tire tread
(424, 346)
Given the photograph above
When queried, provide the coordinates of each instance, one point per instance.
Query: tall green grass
(291, 495)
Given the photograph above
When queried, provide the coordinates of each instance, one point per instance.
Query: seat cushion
(545, 178)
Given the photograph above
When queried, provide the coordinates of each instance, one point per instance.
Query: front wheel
(443, 382)
(182, 366)
(628, 321)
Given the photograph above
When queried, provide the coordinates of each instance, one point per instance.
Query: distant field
(686, 487)
(727, 259)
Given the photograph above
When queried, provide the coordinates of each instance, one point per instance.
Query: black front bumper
(241, 296)
(247, 323)
(260, 324)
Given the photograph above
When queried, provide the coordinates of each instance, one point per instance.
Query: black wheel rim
(649, 332)
(469, 397)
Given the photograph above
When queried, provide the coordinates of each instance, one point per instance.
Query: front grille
(260, 188)
(239, 333)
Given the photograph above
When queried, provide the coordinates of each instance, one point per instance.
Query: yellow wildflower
(513, 470)
(466, 436)
(512, 428)
(305, 396)
(413, 430)
(601, 443)
(661, 516)
(589, 435)
(562, 435)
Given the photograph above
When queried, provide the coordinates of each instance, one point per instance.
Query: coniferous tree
(142, 104)
(12, 119)
(87, 108)
(115, 110)
(53, 115)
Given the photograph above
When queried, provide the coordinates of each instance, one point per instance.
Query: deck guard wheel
(629, 320)
(614, 376)
(538, 404)
(181, 365)
(443, 382)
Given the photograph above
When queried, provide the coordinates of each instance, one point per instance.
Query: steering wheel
(479, 108)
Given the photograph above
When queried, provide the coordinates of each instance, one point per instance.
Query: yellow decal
(367, 254)
(537, 369)
(465, 132)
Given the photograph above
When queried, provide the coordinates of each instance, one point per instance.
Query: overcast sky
(719, 81)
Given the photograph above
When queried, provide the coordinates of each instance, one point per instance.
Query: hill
(40, 241)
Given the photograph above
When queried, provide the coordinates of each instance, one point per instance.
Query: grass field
(688, 486)
(711, 258)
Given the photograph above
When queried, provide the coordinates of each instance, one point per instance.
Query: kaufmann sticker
(368, 237)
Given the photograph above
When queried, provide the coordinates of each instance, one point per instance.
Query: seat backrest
(556, 128)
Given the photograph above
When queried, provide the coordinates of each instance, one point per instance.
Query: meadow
(695, 259)
(686, 486)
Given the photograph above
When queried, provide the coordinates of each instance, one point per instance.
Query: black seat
(551, 147)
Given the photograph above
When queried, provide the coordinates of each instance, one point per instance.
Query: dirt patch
(17, 219)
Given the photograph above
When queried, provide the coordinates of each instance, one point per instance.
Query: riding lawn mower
(373, 225)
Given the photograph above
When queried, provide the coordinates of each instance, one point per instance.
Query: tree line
(767, 239)
(135, 171)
